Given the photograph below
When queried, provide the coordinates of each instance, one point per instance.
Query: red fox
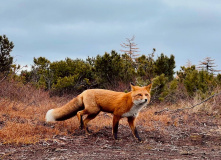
(92, 101)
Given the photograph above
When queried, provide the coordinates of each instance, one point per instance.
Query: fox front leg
(115, 126)
(131, 121)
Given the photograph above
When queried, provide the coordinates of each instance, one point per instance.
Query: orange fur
(92, 101)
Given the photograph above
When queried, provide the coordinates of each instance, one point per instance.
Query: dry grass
(26, 124)
(22, 114)
(23, 108)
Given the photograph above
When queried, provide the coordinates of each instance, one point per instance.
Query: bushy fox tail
(67, 111)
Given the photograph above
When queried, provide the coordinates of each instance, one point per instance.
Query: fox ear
(149, 87)
(131, 83)
(132, 86)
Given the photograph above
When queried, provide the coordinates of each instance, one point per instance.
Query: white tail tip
(49, 116)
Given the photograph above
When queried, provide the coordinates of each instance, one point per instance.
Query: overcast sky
(55, 29)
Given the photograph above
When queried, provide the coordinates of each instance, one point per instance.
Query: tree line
(112, 71)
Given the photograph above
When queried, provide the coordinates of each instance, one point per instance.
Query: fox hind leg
(80, 118)
(87, 119)
(90, 116)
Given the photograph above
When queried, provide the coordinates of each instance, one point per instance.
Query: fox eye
(139, 94)
(146, 94)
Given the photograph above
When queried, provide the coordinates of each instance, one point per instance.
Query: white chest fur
(133, 112)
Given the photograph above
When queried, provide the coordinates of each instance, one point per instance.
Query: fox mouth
(141, 102)
(144, 101)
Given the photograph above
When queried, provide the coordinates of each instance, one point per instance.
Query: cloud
(77, 29)
(198, 5)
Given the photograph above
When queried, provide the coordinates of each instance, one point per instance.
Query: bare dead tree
(188, 63)
(208, 65)
(130, 48)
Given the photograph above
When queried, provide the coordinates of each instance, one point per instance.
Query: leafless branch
(193, 106)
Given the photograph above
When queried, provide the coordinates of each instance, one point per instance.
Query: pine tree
(6, 59)
(146, 66)
(165, 65)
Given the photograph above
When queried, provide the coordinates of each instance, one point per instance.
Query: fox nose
(145, 100)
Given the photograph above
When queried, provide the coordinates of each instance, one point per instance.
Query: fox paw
(140, 140)
(118, 140)
(81, 127)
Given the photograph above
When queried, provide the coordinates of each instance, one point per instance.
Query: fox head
(140, 95)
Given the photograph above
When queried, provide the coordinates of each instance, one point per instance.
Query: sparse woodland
(25, 98)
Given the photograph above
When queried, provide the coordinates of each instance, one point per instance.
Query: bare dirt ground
(195, 137)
